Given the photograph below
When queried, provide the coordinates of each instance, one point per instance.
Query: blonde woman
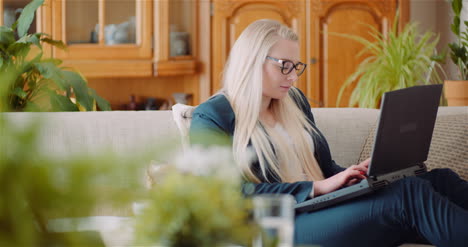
(263, 113)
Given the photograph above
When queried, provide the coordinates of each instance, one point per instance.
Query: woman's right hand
(351, 175)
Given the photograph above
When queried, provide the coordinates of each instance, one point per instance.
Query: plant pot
(456, 93)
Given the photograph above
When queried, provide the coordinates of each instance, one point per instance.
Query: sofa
(349, 132)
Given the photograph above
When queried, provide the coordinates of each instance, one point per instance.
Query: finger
(365, 163)
(355, 174)
(353, 181)
(362, 170)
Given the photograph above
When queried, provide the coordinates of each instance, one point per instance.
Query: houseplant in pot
(38, 83)
(456, 91)
(397, 60)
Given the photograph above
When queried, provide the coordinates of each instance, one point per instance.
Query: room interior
(136, 56)
(154, 61)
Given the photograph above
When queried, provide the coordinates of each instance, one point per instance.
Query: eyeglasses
(287, 66)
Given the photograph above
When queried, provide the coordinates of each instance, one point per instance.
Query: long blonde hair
(242, 85)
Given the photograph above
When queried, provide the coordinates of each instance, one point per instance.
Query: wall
(436, 16)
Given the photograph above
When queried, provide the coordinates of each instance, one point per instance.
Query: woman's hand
(350, 176)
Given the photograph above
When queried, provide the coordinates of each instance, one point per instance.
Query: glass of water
(275, 215)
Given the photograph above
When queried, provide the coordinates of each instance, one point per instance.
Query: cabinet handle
(313, 60)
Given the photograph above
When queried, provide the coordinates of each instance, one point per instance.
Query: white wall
(436, 16)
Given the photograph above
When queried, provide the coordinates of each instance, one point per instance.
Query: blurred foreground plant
(35, 188)
(198, 202)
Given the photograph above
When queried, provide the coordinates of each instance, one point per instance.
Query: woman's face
(275, 84)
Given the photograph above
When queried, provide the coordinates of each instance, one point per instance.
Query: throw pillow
(182, 115)
(449, 146)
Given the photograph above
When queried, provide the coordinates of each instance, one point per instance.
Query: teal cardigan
(216, 116)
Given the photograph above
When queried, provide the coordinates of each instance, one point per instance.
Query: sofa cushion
(65, 134)
(346, 130)
(448, 147)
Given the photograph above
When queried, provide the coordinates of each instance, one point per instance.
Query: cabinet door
(231, 17)
(105, 38)
(332, 59)
(175, 33)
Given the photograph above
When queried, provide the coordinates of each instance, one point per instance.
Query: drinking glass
(275, 215)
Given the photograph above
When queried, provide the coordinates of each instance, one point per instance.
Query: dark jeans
(433, 206)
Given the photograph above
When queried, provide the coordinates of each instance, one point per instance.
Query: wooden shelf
(175, 67)
(112, 69)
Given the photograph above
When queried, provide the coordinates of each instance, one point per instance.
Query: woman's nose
(292, 76)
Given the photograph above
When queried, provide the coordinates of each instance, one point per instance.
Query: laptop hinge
(382, 180)
(422, 169)
(379, 184)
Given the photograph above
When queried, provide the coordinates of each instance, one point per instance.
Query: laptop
(401, 145)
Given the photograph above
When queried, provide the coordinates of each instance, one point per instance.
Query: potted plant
(397, 60)
(456, 91)
(36, 83)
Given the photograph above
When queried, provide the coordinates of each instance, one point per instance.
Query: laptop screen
(404, 132)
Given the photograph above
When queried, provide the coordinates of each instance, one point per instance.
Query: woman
(263, 113)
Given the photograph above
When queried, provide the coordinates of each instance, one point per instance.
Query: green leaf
(456, 25)
(61, 103)
(19, 92)
(54, 61)
(30, 39)
(50, 71)
(27, 16)
(19, 49)
(56, 43)
(7, 36)
(101, 102)
(457, 7)
(80, 88)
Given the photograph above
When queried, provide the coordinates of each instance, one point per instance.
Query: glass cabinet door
(120, 20)
(103, 29)
(181, 26)
(81, 20)
(175, 37)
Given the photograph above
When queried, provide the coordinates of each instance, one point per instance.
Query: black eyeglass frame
(286, 71)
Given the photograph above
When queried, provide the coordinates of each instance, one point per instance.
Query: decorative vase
(456, 93)
(179, 44)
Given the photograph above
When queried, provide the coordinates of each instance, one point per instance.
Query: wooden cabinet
(192, 38)
(105, 38)
(231, 17)
(123, 38)
(331, 59)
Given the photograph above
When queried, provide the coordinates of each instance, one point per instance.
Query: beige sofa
(348, 131)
